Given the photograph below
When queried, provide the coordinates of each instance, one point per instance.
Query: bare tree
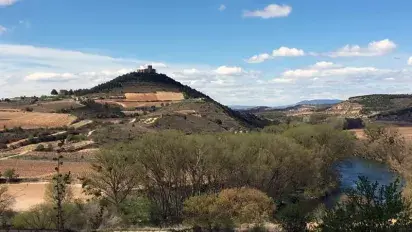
(113, 178)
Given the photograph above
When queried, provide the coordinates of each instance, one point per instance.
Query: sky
(239, 52)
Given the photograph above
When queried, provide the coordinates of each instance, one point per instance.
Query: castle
(149, 69)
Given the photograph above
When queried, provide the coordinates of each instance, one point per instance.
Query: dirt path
(12, 156)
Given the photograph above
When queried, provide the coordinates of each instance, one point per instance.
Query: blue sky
(255, 52)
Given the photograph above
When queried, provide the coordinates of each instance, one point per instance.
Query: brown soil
(158, 96)
(28, 195)
(42, 169)
(406, 132)
(30, 120)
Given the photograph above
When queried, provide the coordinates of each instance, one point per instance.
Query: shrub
(229, 207)
(40, 147)
(10, 174)
(28, 109)
(370, 208)
(275, 129)
(39, 217)
(218, 121)
(293, 218)
(136, 210)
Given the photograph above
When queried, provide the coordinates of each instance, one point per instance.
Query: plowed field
(30, 120)
(42, 169)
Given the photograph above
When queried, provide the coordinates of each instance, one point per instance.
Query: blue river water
(350, 170)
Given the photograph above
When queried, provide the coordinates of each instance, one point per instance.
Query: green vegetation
(383, 102)
(10, 174)
(228, 208)
(171, 166)
(369, 207)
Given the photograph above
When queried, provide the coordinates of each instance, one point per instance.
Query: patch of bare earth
(30, 120)
(28, 195)
(406, 132)
(43, 169)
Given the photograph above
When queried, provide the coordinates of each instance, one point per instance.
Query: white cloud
(222, 7)
(325, 69)
(190, 71)
(2, 30)
(410, 61)
(374, 48)
(285, 51)
(271, 11)
(7, 2)
(226, 70)
(259, 58)
(39, 76)
(28, 70)
(324, 65)
(280, 52)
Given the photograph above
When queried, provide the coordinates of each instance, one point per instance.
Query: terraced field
(30, 120)
(406, 132)
(42, 169)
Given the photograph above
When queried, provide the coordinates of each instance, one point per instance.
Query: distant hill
(319, 102)
(151, 82)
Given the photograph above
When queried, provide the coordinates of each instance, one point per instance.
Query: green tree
(137, 210)
(10, 174)
(370, 207)
(54, 92)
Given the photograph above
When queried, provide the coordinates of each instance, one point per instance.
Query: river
(350, 170)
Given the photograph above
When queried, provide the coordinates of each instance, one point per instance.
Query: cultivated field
(30, 120)
(133, 104)
(28, 195)
(406, 132)
(42, 169)
(158, 96)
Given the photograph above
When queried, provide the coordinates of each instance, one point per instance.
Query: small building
(149, 69)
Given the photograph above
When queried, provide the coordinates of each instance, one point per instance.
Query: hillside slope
(144, 83)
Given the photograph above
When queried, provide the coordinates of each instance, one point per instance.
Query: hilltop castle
(149, 69)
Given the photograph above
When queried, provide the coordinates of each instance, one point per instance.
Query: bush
(230, 207)
(40, 217)
(293, 218)
(10, 174)
(370, 208)
(40, 147)
(137, 210)
(275, 129)
(28, 109)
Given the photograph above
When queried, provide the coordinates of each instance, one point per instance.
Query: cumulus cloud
(226, 70)
(39, 76)
(271, 11)
(326, 70)
(410, 61)
(222, 7)
(324, 65)
(7, 2)
(259, 58)
(2, 30)
(374, 48)
(285, 51)
(28, 70)
(280, 52)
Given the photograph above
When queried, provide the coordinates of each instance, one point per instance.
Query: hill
(319, 102)
(152, 82)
